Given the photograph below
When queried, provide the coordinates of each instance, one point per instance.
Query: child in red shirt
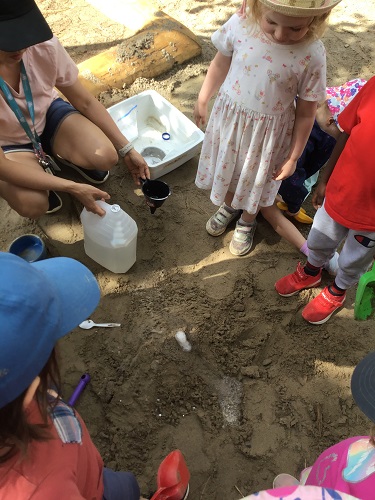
(345, 198)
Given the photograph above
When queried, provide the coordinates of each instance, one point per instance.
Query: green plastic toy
(365, 296)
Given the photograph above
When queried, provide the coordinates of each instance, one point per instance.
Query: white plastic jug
(110, 240)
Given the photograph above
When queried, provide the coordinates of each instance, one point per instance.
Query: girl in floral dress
(256, 132)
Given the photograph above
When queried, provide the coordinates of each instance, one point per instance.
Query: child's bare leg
(284, 227)
(228, 199)
(287, 230)
(248, 218)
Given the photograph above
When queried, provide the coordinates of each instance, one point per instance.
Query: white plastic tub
(144, 118)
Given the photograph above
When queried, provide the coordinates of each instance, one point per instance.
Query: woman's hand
(88, 195)
(137, 166)
(285, 170)
(318, 195)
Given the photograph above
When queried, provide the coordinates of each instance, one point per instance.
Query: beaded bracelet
(125, 150)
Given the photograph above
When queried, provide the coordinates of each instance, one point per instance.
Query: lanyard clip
(45, 161)
(45, 165)
(49, 165)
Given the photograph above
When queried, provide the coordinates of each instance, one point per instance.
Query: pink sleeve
(66, 69)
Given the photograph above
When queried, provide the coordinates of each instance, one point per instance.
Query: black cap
(21, 25)
(363, 385)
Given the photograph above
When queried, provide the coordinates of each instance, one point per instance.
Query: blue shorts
(120, 485)
(56, 114)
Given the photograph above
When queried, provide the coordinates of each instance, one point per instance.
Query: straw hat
(300, 8)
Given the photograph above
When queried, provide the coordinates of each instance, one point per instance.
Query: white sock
(244, 223)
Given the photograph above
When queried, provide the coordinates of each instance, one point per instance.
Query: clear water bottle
(110, 240)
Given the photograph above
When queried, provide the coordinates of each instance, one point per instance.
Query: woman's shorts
(56, 114)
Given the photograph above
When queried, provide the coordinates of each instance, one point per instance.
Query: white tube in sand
(182, 341)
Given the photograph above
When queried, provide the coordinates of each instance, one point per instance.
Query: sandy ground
(261, 392)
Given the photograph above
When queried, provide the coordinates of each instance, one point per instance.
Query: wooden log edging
(161, 44)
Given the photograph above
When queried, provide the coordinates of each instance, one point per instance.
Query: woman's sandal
(93, 176)
(54, 202)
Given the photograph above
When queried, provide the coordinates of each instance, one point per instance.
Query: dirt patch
(261, 392)
(136, 49)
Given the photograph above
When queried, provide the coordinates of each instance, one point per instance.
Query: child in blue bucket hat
(45, 447)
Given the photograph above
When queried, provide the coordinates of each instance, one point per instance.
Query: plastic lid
(115, 208)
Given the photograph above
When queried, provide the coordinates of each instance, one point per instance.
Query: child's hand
(318, 195)
(200, 113)
(286, 170)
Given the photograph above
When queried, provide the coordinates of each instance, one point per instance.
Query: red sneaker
(320, 309)
(297, 281)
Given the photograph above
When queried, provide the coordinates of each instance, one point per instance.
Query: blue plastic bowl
(29, 247)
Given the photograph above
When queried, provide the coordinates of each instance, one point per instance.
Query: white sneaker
(217, 224)
(285, 480)
(242, 239)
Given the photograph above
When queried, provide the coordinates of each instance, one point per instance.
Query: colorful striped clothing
(300, 493)
(66, 423)
(339, 97)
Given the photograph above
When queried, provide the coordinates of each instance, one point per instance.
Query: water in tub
(156, 131)
(150, 143)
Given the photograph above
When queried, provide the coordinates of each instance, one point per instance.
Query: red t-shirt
(350, 193)
(53, 469)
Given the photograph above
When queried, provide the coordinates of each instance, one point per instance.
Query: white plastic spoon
(88, 323)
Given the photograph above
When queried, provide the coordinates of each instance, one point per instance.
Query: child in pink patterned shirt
(346, 470)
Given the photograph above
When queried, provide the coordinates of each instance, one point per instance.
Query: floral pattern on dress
(254, 112)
